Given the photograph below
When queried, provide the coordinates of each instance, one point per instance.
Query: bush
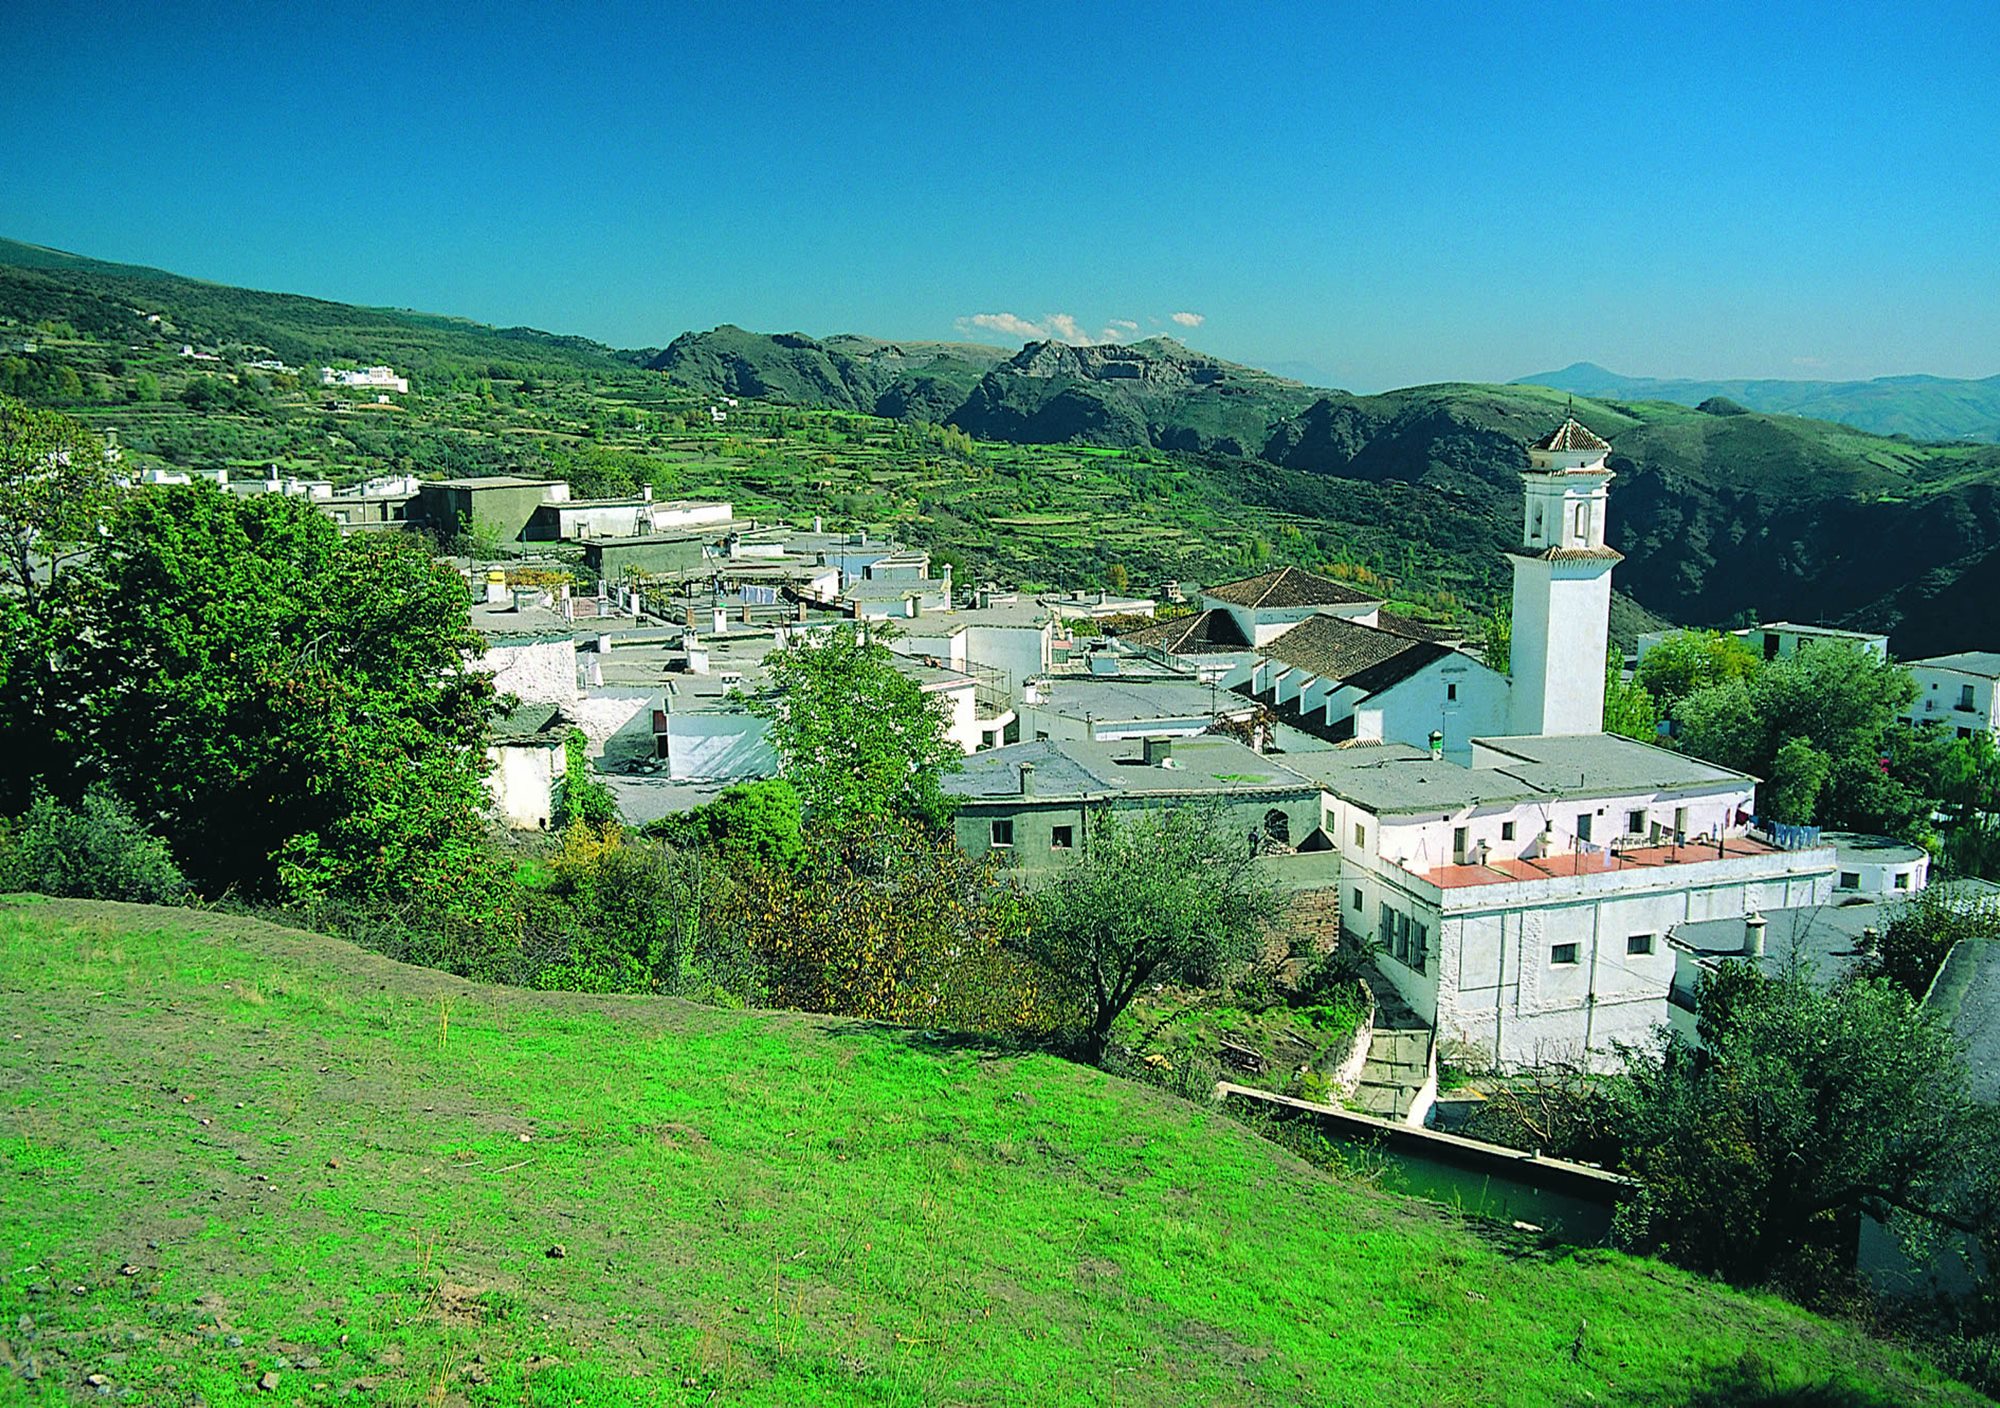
(98, 850)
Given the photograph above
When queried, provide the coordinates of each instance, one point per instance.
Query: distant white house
(1957, 692)
(366, 378)
(529, 757)
(1783, 638)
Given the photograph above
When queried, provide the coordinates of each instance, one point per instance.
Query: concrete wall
(1035, 820)
(618, 722)
(502, 511)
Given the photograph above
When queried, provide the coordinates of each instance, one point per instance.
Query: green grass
(228, 1149)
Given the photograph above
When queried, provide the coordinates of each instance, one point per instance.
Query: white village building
(1958, 692)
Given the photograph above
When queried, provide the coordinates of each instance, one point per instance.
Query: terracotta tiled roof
(1358, 655)
(1287, 587)
(1206, 632)
(1573, 555)
(1413, 628)
(1571, 435)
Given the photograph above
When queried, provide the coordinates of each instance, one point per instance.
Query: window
(1003, 831)
(1635, 823)
(1535, 533)
(1902, 881)
(1360, 837)
(1583, 826)
(1965, 697)
(1850, 879)
(1419, 943)
(1451, 691)
(1460, 843)
(1062, 838)
(1563, 955)
(1638, 944)
(1278, 827)
(1506, 830)
(1357, 901)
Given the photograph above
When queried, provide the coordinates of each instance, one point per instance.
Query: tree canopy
(1170, 894)
(258, 685)
(859, 739)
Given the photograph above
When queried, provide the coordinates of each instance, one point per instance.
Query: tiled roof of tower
(1571, 435)
(1206, 632)
(1287, 587)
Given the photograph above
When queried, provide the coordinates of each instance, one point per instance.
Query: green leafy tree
(1923, 931)
(750, 823)
(1686, 661)
(1498, 649)
(96, 850)
(55, 491)
(1170, 895)
(1628, 709)
(265, 687)
(1805, 1106)
(1831, 712)
(585, 797)
(858, 738)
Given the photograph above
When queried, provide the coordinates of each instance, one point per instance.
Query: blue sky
(1386, 194)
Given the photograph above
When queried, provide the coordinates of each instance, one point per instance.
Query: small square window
(1506, 830)
(1902, 882)
(1563, 955)
(1635, 823)
(1062, 838)
(1639, 943)
(1850, 879)
(1003, 831)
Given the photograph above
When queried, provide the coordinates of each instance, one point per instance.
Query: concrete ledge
(1574, 1180)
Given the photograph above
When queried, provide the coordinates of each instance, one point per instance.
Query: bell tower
(1562, 585)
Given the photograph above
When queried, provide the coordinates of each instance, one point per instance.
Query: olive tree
(1170, 894)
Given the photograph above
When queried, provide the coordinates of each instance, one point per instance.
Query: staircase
(1398, 1067)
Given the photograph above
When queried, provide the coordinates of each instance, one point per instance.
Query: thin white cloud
(1005, 323)
(1189, 320)
(1054, 327)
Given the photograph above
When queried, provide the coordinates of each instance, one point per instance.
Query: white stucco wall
(523, 782)
(719, 747)
(539, 672)
(1562, 623)
(1938, 695)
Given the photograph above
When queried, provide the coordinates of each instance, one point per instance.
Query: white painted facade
(1957, 692)
(1455, 695)
(1263, 624)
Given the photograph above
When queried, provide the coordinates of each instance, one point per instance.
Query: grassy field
(231, 1151)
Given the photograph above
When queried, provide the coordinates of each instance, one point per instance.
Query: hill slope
(229, 1149)
(1922, 407)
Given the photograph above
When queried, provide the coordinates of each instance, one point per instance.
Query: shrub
(98, 850)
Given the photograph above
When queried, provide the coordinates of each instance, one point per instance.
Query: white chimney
(1027, 779)
(719, 621)
(697, 653)
(819, 524)
(1753, 934)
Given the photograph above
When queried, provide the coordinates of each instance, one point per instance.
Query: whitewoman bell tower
(1562, 585)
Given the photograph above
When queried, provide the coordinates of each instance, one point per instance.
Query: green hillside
(229, 1150)
(1921, 407)
(1151, 457)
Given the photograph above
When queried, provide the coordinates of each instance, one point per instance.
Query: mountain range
(1921, 407)
(1725, 513)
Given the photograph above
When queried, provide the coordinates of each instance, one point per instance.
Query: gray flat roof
(1825, 936)
(490, 481)
(1117, 698)
(1966, 994)
(1875, 850)
(1573, 764)
(1396, 779)
(1985, 663)
(1074, 769)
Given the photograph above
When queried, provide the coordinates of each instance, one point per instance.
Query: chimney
(646, 493)
(1158, 752)
(913, 605)
(719, 620)
(596, 670)
(1027, 779)
(819, 524)
(1437, 745)
(1753, 935)
(802, 609)
(746, 612)
(496, 588)
(697, 654)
